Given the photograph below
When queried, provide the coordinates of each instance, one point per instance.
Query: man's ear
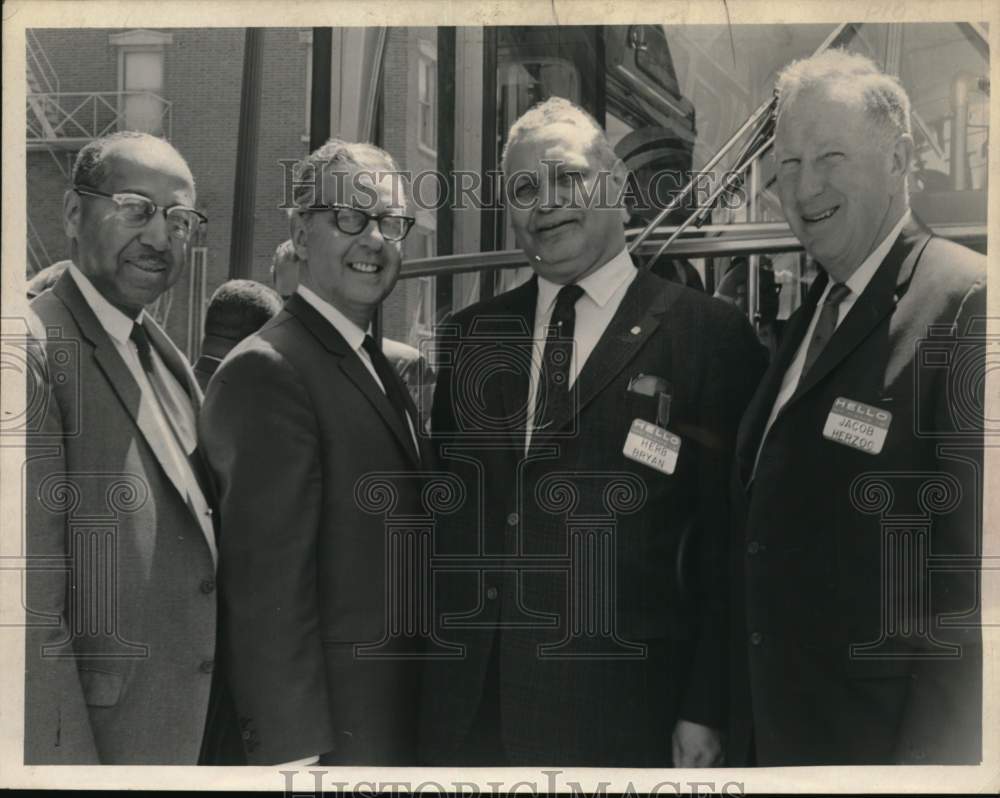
(902, 157)
(619, 179)
(300, 235)
(72, 209)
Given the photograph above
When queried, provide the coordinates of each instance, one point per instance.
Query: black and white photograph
(499, 398)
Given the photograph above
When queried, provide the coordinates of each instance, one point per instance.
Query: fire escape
(60, 122)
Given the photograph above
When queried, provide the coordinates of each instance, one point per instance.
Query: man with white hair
(855, 463)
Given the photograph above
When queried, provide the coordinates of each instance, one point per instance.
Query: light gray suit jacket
(121, 603)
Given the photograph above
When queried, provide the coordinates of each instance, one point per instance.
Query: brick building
(185, 84)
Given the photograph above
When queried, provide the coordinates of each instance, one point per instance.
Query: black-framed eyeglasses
(349, 220)
(135, 210)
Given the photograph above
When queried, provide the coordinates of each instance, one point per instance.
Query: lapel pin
(636, 330)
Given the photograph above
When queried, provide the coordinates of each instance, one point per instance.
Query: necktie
(390, 381)
(552, 397)
(825, 324)
(180, 419)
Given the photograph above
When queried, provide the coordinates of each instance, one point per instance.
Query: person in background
(285, 269)
(237, 309)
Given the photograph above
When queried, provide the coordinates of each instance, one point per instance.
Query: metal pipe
(838, 36)
(776, 241)
(960, 129)
(753, 262)
(764, 109)
(726, 185)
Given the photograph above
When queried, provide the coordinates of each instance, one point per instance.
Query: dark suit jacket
(416, 374)
(654, 542)
(119, 656)
(204, 368)
(293, 424)
(818, 532)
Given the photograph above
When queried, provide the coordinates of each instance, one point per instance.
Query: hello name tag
(857, 425)
(652, 446)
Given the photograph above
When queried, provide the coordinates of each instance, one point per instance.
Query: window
(306, 39)
(140, 80)
(197, 301)
(427, 97)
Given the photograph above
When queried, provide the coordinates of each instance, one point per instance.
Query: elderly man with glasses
(121, 602)
(296, 418)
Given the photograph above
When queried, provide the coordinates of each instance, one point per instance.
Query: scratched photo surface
(537, 396)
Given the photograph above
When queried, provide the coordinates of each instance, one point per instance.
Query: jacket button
(207, 666)
(207, 585)
(246, 735)
(492, 593)
(512, 519)
(753, 547)
(756, 638)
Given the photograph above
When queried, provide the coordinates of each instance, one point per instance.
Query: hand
(696, 746)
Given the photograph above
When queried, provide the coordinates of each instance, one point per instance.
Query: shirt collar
(115, 323)
(858, 281)
(351, 332)
(600, 285)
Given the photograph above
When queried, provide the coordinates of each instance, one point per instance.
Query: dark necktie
(180, 421)
(825, 324)
(552, 396)
(390, 382)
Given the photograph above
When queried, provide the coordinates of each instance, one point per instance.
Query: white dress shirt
(857, 282)
(119, 328)
(355, 338)
(603, 290)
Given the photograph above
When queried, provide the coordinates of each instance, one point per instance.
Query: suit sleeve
(57, 728)
(261, 439)
(730, 380)
(942, 716)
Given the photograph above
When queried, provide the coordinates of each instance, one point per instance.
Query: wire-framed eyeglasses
(135, 210)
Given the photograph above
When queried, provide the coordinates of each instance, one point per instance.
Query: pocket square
(648, 385)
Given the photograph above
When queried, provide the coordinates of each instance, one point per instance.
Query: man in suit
(237, 309)
(411, 366)
(857, 460)
(586, 586)
(295, 419)
(121, 592)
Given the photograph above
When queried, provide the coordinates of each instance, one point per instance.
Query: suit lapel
(636, 319)
(515, 380)
(759, 409)
(122, 382)
(878, 300)
(174, 360)
(875, 303)
(354, 370)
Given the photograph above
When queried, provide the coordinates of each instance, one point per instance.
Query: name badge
(857, 425)
(652, 446)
